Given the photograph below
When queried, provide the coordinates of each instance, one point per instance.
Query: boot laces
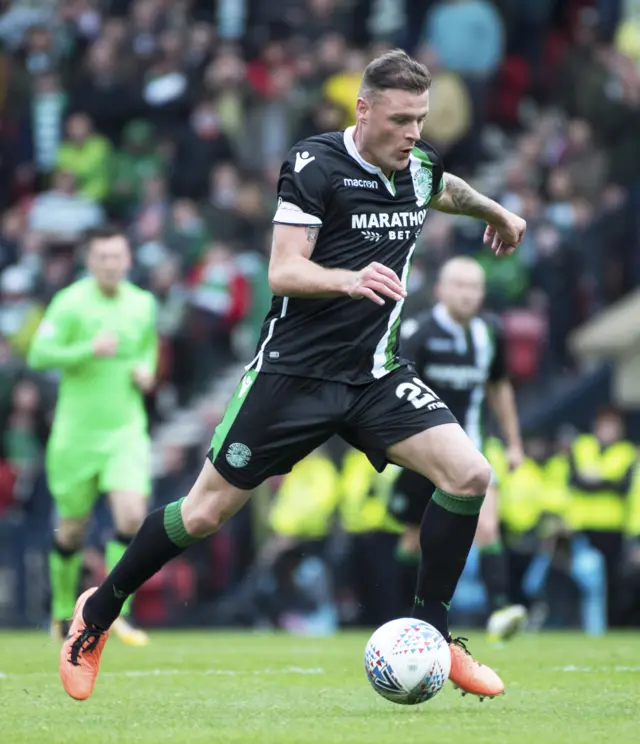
(86, 642)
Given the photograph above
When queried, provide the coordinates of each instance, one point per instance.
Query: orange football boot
(81, 652)
(471, 677)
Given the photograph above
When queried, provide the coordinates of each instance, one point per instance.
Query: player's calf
(165, 534)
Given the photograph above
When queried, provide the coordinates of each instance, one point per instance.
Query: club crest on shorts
(422, 178)
(238, 455)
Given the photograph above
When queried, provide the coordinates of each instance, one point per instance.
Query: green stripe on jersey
(384, 357)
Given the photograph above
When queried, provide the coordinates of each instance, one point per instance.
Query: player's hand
(505, 234)
(376, 280)
(515, 456)
(143, 378)
(105, 344)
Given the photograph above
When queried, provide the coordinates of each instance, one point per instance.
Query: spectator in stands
(87, 155)
(42, 128)
(136, 161)
(200, 145)
(63, 213)
(101, 89)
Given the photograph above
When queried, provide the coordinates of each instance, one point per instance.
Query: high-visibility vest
(521, 497)
(632, 527)
(556, 496)
(496, 454)
(307, 499)
(365, 495)
(605, 510)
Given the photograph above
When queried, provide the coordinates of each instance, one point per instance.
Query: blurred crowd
(171, 118)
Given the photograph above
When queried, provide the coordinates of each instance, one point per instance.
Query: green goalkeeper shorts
(76, 478)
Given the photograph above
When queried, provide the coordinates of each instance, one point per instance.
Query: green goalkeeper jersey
(98, 402)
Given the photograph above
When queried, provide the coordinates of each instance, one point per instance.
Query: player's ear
(363, 106)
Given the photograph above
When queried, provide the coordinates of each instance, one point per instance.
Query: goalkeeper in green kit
(100, 332)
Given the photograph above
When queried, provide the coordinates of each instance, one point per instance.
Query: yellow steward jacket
(365, 495)
(306, 502)
(600, 482)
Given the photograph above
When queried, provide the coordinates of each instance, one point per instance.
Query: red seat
(525, 334)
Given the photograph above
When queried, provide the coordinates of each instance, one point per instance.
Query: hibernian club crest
(238, 455)
(422, 178)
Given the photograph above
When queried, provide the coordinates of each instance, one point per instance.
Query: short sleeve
(303, 188)
(430, 158)
(498, 370)
(437, 181)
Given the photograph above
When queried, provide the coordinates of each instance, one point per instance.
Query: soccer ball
(407, 661)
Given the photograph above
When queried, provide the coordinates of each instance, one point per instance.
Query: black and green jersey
(457, 362)
(363, 216)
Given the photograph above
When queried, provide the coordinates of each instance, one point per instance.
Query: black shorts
(409, 497)
(273, 421)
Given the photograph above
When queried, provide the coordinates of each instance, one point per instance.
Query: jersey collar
(350, 145)
(444, 320)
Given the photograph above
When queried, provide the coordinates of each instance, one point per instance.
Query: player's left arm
(505, 230)
(502, 400)
(144, 371)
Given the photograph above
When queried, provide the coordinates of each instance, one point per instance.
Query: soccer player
(351, 205)
(100, 332)
(459, 354)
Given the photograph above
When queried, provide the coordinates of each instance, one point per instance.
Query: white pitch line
(180, 672)
(591, 669)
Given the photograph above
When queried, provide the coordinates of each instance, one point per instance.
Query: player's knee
(204, 516)
(130, 523)
(410, 540)
(69, 533)
(487, 532)
(470, 479)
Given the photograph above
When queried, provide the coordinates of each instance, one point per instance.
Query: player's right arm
(304, 190)
(53, 346)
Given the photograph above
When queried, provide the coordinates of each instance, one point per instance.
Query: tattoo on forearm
(312, 234)
(460, 198)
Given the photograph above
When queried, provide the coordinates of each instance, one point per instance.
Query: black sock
(446, 536)
(493, 572)
(61, 550)
(161, 538)
(123, 539)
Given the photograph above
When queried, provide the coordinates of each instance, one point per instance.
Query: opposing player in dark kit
(459, 353)
(351, 205)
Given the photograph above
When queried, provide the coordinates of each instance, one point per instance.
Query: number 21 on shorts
(418, 394)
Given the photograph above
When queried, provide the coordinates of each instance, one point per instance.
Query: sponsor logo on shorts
(238, 455)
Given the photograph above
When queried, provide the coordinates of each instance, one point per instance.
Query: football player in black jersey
(459, 353)
(351, 206)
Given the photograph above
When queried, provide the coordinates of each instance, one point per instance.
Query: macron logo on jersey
(302, 160)
(360, 183)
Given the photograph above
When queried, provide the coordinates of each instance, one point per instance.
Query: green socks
(65, 567)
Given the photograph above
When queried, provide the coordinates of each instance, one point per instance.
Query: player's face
(391, 125)
(462, 292)
(109, 260)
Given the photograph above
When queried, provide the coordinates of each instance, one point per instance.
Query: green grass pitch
(277, 689)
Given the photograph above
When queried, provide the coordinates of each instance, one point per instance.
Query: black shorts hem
(379, 460)
(232, 475)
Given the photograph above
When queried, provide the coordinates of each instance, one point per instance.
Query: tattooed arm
(292, 273)
(505, 229)
(457, 197)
